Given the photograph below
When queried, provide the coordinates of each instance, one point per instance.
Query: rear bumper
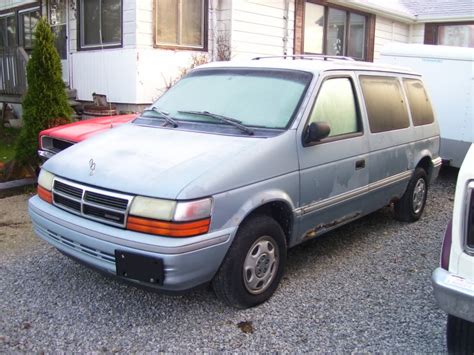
(455, 295)
(187, 262)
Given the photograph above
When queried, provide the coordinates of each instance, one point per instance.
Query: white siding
(388, 31)
(8, 4)
(111, 72)
(259, 27)
(417, 33)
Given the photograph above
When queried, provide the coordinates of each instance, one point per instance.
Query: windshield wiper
(228, 120)
(164, 115)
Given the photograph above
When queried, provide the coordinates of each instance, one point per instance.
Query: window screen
(420, 106)
(336, 106)
(385, 105)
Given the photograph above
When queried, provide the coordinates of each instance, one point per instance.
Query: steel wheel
(260, 265)
(419, 195)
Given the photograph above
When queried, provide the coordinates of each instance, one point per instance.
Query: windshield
(259, 98)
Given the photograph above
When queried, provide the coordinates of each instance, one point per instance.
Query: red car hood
(78, 131)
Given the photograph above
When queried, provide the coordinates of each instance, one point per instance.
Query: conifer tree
(45, 101)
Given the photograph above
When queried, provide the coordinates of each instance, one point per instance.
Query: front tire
(460, 336)
(254, 264)
(411, 205)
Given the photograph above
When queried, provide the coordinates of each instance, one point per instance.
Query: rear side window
(336, 106)
(386, 108)
(420, 105)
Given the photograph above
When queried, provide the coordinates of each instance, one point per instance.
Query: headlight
(45, 180)
(170, 218)
(153, 208)
(45, 185)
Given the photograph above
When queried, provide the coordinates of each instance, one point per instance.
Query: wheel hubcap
(419, 195)
(260, 265)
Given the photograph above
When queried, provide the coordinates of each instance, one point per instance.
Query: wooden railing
(13, 71)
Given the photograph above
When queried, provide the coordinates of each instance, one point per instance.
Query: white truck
(448, 73)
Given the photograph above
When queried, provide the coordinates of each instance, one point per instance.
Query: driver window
(336, 106)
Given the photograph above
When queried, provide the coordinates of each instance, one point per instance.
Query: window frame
(369, 34)
(205, 30)
(16, 11)
(360, 126)
(20, 26)
(80, 27)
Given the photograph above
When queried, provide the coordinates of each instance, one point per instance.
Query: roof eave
(430, 18)
(379, 10)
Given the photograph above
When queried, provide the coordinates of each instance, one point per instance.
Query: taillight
(446, 248)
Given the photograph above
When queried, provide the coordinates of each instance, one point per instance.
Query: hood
(78, 131)
(157, 162)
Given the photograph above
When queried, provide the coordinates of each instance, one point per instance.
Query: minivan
(236, 163)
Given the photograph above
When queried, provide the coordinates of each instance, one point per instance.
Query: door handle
(360, 164)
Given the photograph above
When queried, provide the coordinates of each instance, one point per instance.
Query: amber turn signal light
(45, 194)
(170, 229)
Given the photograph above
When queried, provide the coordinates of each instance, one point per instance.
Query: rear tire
(411, 205)
(254, 264)
(460, 336)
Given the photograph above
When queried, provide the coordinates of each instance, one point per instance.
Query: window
(334, 31)
(100, 23)
(459, 35)
(336, 106)
(450, 34)
(420, 106)
(28, 20)
(181, 23)
(8, 31)
(386, 108)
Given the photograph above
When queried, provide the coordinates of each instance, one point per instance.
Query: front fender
(232, 207)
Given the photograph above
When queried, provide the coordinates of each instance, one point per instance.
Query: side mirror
(316, 131)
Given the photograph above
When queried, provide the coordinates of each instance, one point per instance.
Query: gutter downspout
(213, 4)
(286, 18)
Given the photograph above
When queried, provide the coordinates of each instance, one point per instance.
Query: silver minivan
(236, 163)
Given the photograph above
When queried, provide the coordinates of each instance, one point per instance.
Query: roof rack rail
(306, 56)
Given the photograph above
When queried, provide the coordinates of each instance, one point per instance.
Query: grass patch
(7, 143)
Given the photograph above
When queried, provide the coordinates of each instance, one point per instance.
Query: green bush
(45, 101)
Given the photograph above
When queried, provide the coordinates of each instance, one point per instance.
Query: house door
(58, 19)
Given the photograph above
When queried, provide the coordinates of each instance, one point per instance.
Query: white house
(130, 50)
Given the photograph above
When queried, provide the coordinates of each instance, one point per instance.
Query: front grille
(99, 205)
(67, 189)
(109, 201)
(59, 144)
(470, 217)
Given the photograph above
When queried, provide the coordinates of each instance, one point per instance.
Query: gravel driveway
(364, 287)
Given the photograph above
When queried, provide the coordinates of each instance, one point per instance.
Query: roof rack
(306, 56)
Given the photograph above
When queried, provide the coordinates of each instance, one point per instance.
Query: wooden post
(4, 114)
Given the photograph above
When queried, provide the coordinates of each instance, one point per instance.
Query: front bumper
(455, 295)
(188, 262)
